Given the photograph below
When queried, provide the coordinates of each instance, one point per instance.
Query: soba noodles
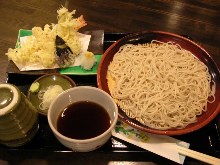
(160, 84)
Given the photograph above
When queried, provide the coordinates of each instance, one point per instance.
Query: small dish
(83, 94)
(44, 82)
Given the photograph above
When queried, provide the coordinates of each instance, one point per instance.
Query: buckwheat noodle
(161, 85)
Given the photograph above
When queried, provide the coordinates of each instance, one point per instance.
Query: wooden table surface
(199, 19)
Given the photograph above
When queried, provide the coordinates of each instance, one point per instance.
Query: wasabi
(35, 87)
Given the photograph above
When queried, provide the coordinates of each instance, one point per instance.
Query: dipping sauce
(83, 120)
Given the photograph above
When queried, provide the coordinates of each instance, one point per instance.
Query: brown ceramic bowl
(198, 51)
(45, 81)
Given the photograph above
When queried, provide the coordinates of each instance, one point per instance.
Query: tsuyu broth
(83, 120)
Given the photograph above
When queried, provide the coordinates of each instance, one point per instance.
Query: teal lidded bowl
(18, 117)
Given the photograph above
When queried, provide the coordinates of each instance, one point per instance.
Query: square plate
(95, 46)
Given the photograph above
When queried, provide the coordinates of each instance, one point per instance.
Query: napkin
(162, 145)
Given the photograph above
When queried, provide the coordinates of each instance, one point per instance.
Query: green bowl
(45, 81)
(18, 117)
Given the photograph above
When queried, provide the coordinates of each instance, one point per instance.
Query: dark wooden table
(199, 19)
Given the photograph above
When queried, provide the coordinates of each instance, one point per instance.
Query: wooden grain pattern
(197, 19)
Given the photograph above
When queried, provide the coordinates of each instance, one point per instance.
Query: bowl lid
(8, 98)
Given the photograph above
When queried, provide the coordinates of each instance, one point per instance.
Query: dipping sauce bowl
(84, 141)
